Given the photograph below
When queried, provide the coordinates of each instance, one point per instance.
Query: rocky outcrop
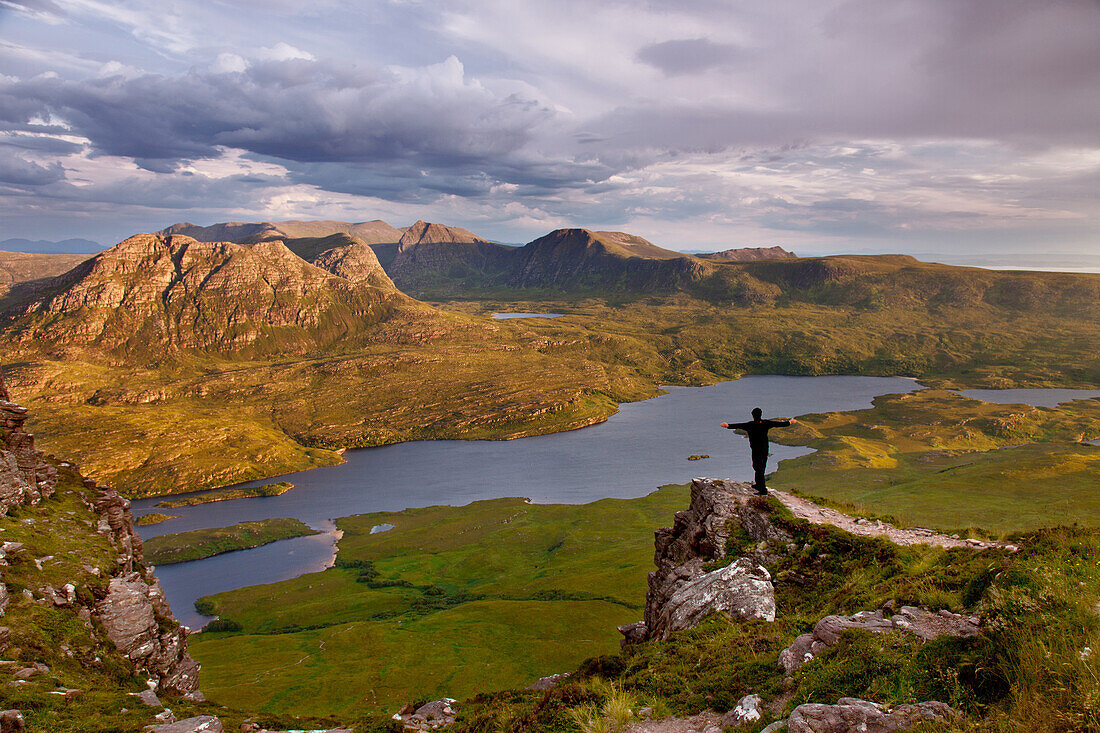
(742, 589)
(851, 714)
(926, 625)
(681, 592)
(26, 477)
(429, 716)
(133, 612)
(130, 614)
(197, 724)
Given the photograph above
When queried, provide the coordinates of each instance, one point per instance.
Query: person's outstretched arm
(736, 425)
(779, 423)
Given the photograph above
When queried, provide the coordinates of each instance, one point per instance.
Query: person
(758, 442)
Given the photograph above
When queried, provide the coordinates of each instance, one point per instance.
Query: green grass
(154, 518)
(1025, 672)
(936, 459)
(61, 533)
(226, 494)
(166, 549)
(452, 601)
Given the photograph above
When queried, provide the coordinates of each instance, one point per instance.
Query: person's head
(756, 413)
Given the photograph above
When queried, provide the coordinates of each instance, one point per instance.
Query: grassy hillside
(1030, 670)
(60, 534)
(452, 601)
(936, 459)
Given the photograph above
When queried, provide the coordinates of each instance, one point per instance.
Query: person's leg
(759, 465)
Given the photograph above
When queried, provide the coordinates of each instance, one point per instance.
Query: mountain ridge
(154, 290)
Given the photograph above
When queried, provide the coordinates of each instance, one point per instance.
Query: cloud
(15, 169)
(296, 109)
(689, 55)
(765, 120)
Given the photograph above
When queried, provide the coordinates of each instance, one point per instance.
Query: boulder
(547, 683)
(926, 625)
(429, 716)
(11, 721)
(851, 714)
(634, 633)
(742, 589)
(748, 710)
(197, 724)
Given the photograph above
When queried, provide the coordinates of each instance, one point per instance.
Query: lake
(643, 446)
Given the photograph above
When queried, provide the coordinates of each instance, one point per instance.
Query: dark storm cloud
(297, 110)
(43, 144)
(688, 55)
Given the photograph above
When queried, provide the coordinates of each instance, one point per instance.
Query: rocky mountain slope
(75, 584)
(152, 292)
(450, 261)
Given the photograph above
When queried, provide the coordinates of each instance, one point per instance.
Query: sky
(951, 129)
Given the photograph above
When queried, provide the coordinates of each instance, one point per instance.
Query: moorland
(169, 364)
(269, 363)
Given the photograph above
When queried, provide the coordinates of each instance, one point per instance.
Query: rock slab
(851, 714)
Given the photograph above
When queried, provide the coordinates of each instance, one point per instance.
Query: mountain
(582, 259)
(423, 232)
(437, 259)
(43, 246)
(438, 256)
(343, 255)
(748, 254)
(155, 291)
(371, 232)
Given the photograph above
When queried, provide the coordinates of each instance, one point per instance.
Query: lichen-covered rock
(742, 589)
(131, 620)
(429, 716)
(198, 724)
(926, 625)
(548, 683)
(851, 714)
(748, 710)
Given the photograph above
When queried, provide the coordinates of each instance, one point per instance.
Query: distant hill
(582, 259)
(423, 232)
(371, 232)
(435, 259)
(23, 274)
(43, 246)
(748, 254)
(155, 291)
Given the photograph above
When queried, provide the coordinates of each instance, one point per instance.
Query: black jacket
(758, 431)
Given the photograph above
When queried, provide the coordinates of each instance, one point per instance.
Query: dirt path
(817, 514)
